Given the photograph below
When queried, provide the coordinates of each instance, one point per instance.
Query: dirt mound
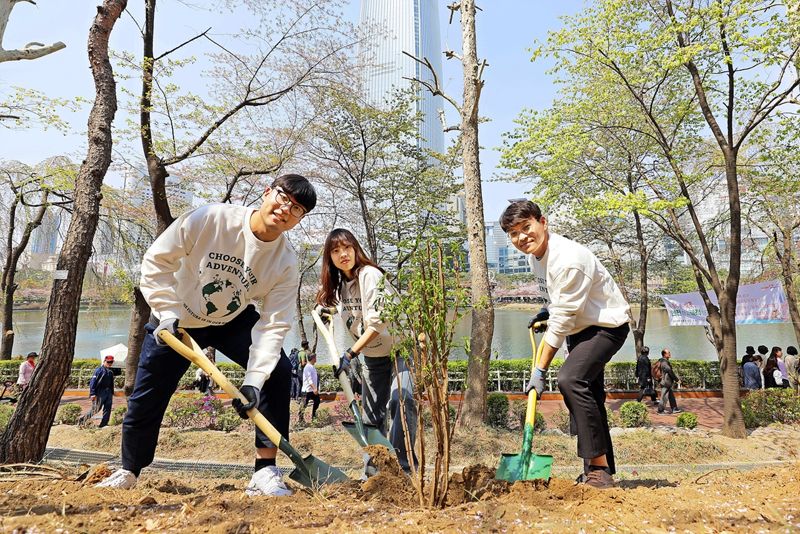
(97, 474)
(391, 485)
(474, 483)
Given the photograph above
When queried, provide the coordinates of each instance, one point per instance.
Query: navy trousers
(160, 370)
(104, 400)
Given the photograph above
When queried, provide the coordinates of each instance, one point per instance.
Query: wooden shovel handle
(189, 349)
(327, 334)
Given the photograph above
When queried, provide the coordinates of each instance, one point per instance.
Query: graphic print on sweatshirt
(223, 280)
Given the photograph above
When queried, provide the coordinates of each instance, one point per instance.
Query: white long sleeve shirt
(361, 303)
(208, 266)
(25, 372)
(310, 379)
(580, 291)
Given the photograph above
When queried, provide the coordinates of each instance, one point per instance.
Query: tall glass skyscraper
(404, 26)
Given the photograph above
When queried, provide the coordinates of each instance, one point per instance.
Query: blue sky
(506, 30)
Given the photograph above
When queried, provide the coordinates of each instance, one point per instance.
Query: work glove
(251, 394)
(170, 325)
(344, 362)
(537, 381)
(540, 317)
(325, 313)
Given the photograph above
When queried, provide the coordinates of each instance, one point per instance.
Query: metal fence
(617, 378)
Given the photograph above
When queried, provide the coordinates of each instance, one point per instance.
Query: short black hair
(519, 211)
(749, 350)
(645, 350)
(304, 344)
(762, 349)
(299, 188)
(32, 355)
(791, 350)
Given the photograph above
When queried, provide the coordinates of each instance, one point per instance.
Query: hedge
(504, 375)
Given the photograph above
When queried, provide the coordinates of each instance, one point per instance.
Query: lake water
(99, 328)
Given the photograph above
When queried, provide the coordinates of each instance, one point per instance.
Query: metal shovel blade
(315, 473)
(515, 467)
(366, 434)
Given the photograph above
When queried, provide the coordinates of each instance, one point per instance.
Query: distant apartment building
(501, 255)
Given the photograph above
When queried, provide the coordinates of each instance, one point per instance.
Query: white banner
(760, 303)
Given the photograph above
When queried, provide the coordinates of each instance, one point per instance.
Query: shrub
(765, 406)
(560, 420)
(5, 414)
(322, 419)
(227, 420)
(539, 424)
(68, 414)
(517, 417)
(497, 410)
(117, 415)
(633, 414)
(182, 411)
(686, 420)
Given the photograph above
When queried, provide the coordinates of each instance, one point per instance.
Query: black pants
(160, 370)
(646, 389)
(581, 382)
(313, 398)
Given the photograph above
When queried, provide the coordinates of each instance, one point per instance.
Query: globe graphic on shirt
(222, 297)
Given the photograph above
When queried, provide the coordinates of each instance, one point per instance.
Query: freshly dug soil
(720, 500)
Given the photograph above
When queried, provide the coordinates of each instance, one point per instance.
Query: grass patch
(650, 448)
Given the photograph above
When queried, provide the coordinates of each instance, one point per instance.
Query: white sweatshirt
(580, 291)
(208, 266)
(360, 304)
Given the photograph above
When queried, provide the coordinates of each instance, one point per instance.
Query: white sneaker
(120, 479)
(267, 481)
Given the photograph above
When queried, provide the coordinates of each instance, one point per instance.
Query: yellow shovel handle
(530, 412)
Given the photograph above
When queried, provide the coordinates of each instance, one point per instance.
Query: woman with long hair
(355, 286)
(772, 373)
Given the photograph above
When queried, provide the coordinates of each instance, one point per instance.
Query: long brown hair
(332, 277)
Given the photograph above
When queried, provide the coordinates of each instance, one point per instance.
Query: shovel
(526, 465)
(309, 471)
(364, 433)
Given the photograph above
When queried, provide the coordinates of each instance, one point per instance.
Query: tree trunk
(139, 317)
(158, 174)
(786, 259)
(482, 307)
(25, 437)
(644, 297)
(13, 254)
(733, 419)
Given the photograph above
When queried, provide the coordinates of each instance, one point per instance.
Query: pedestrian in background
(793, 367)
(101, 389)
(26, 370)
(668, 381)
(644, 376)
(310, 387)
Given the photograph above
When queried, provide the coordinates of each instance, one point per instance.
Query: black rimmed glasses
(296, 210)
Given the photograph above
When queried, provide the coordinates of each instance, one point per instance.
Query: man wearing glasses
(228, 275)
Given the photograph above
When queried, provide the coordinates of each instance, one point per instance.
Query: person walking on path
(667, 383)
(229, 276)
(26, 370)
(355, 285)
(752, 373)
(588, 310)
(101, 390)
(310, 387)
(645, 377)
(303, 354)
(294, 361)
(793, 368)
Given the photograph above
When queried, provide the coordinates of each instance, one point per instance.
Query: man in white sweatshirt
(228, 275)
(588, 310)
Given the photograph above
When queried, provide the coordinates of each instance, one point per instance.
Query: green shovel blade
(525, 465)
(367, 434)
(314, 473)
